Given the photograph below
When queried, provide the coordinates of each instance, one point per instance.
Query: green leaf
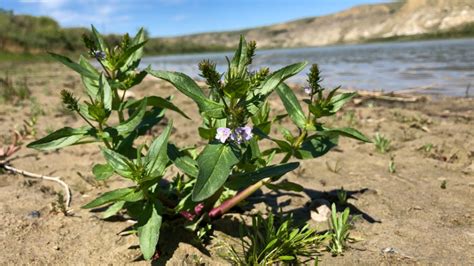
(106, 92)
(346, 132)
(133, 121)
(207, 133)
(339, 100)
(134, 59)
(215, 164)
(274, 79)
(108, 197)
(148, 228)
(98, 39)
(286, 185)
(102, 171)
(240, 59)
(314, 147)
(292, 105)
(188, 87)
(91, 84)
(118, 162)
(75, 66)
(242, 180)
(85, 63)
(129, 53)
(157, 157)
(61, 138)
(183, 162)
(157, 101)
(113, 209)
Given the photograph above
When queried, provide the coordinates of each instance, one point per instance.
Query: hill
(401, 20)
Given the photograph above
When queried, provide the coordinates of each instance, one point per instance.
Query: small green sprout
(382, 144)
(339, 233)
(391, 165)
(426, 148)
(443, 184)
(342, 196)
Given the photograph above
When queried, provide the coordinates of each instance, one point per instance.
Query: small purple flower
(100, 55)
(246, 132)
(241, 134)
(223, 134)
(308, 90)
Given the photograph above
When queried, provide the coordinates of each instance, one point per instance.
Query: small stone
(320, 210)
(56, 248)
(33, 214)
(389, 251)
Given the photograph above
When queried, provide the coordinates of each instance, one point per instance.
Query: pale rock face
(354, 25)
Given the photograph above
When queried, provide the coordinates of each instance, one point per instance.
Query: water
(440, 67)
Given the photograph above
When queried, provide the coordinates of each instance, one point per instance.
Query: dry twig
(4, 164)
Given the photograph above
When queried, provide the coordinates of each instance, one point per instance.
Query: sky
(176, 17)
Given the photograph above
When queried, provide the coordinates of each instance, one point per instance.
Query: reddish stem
(228, 204)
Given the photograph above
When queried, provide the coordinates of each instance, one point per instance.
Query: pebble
(389, 250)
(320, 210)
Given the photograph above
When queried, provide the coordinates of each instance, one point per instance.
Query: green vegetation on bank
(24, 37)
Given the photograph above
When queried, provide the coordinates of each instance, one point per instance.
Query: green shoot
(265, 243)
(382, 144)
(339, 233)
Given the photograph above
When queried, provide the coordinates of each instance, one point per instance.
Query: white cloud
(83, 12)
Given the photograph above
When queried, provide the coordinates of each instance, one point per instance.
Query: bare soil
(406, 216)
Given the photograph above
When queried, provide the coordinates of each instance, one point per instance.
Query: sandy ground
(406, 216)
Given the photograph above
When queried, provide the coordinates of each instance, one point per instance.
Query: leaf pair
(153, 165)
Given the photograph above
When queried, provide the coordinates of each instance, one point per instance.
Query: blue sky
(177, 17)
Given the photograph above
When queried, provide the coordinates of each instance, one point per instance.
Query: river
(438, 67)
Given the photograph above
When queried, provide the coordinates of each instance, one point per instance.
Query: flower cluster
(238, 135)
(99, 55)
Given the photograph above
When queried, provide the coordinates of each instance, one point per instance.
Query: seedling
(342, 196)
(232, 165)
(443, 184)
(426, 148)
(266, 243)
(339, 234)
(382, 144)
(391, 165)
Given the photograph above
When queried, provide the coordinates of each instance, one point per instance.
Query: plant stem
(120, 111)
(228, 204)
(106, 142)
(85, 119)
